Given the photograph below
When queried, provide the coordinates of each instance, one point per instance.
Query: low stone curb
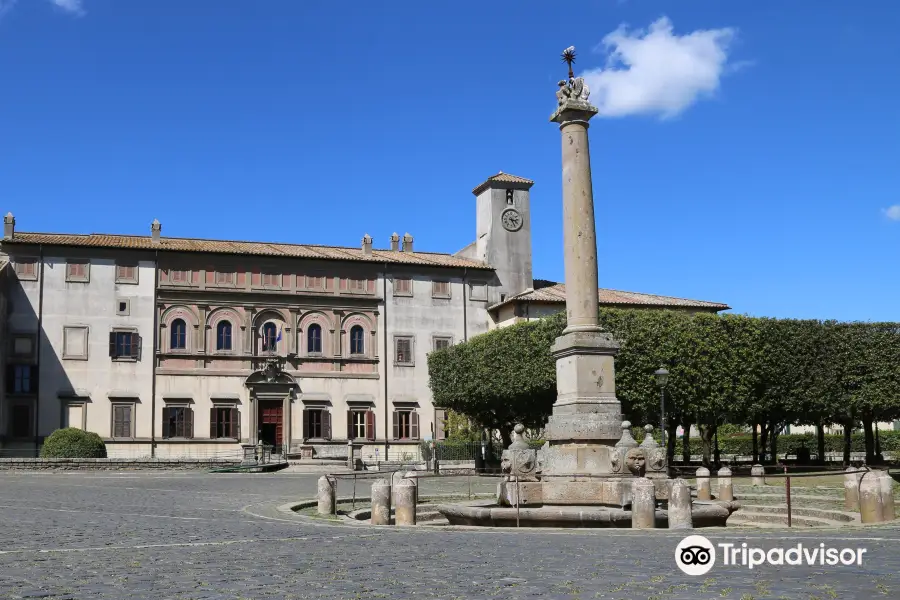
(112, 464)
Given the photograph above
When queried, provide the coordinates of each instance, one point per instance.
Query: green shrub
(73, 443)
(743, 445)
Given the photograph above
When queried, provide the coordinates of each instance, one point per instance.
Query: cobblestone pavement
(124, 536)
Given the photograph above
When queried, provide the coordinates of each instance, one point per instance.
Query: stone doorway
(271, 424)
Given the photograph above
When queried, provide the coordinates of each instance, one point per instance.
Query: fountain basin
(704, 514)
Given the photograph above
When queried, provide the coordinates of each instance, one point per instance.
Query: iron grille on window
(403, 350)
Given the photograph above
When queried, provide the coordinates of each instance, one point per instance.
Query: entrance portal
(271, 423)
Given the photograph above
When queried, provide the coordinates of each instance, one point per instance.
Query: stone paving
(190, 535)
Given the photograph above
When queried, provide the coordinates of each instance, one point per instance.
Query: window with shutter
(126, 274)
(370, 425)
(178, 422)
(26, 268)
(77, 271)
(396, 424)
(124, 345)
(441, 342)
(406, 425)
(403, 287)
(122, 420)
(440, 424)
(440, 289)
(226, 278)
(403, 350)
(326, 424)
(224, 422)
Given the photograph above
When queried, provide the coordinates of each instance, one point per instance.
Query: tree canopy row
(762, 373)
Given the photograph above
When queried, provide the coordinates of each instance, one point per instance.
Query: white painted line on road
(144, 546)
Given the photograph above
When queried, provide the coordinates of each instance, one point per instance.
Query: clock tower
(503, 225)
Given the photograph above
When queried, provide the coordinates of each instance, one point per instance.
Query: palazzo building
(173, 347)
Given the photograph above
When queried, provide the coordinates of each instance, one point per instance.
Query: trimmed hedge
(743, 445)
(73, 443)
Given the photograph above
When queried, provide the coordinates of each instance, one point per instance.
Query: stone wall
(111, 464)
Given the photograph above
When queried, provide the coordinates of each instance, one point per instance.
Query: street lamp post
(662, 378)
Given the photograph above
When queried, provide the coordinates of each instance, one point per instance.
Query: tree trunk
(773, 442)
(755, 444)
(763, 438)
(820, 441)
(686, 444)
(870, 439)
(706, 435)
(506, 436)
(717, 456)
(848, 431)
(671, 430)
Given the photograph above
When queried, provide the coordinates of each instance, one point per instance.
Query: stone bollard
(411, 476)
(851, 488)
(643, 504)
(887, 497)
(758, 476)
(870, 510)
(726, 489)
(703, 484)
(680, 505)
(326, 496)
(381, 502)
(405, 507)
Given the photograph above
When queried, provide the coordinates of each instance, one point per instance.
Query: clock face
(511, 219)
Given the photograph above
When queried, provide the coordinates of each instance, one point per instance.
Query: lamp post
(662, 378)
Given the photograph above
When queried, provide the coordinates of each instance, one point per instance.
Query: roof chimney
(395, 242)
(407, 243)
(9, 226)
(367, 244)
(155, 229)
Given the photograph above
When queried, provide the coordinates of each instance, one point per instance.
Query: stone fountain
(585, 472)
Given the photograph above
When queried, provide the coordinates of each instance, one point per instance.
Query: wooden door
(271, 422)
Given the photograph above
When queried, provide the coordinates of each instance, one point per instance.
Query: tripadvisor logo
(696, 555)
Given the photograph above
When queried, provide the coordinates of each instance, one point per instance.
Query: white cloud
(70, 6)
(658, 72)
(892, 212)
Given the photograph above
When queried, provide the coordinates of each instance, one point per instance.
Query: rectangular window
(406, 425)
(179, 276)
(23, 345)
(403, 287)
(316, 283)
(403, 350)
(123, 307)
(78, 271)
(271, 280)
(441, 342)
(225, 278)
(26, 268)
(122, 420)
(74, 415)
(440, 424)
(317, 424)
(20, 421)
(440, 289)
(361, 424)
(178, 422)
(225, 422)
(124, 345)
(477, 291)
(20, 379)
(357, 285)
(75, 342)
(126, 274)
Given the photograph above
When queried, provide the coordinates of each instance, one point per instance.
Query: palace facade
(174, 347)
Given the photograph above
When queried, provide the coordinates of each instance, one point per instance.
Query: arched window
(223, 335)
(314, 338)
(179, 335)
(357, 340)
(270, 339)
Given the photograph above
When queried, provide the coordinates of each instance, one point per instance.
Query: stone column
(587, 415)
(405, 512)
(851, 488)
(886, 485)
(870, 509)
(680, 505)
(381, 502)
(703, 484)
(758, 475)
(643, 504)
(411, 476)
(327, 496)
(726, 490)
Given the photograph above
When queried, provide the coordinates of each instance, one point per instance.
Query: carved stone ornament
(271, 371)
(649, 442)
(615, 460)
(520, 460)
(657, 460)
(636, 462)
(627, 441)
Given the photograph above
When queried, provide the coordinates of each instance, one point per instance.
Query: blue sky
(746, 152)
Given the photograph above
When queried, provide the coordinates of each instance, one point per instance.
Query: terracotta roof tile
(557, 293)
(98, 240)
(502, 177)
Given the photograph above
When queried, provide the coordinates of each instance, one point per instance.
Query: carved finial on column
(573, 93)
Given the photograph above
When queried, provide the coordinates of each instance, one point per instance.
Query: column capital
(572, 102)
